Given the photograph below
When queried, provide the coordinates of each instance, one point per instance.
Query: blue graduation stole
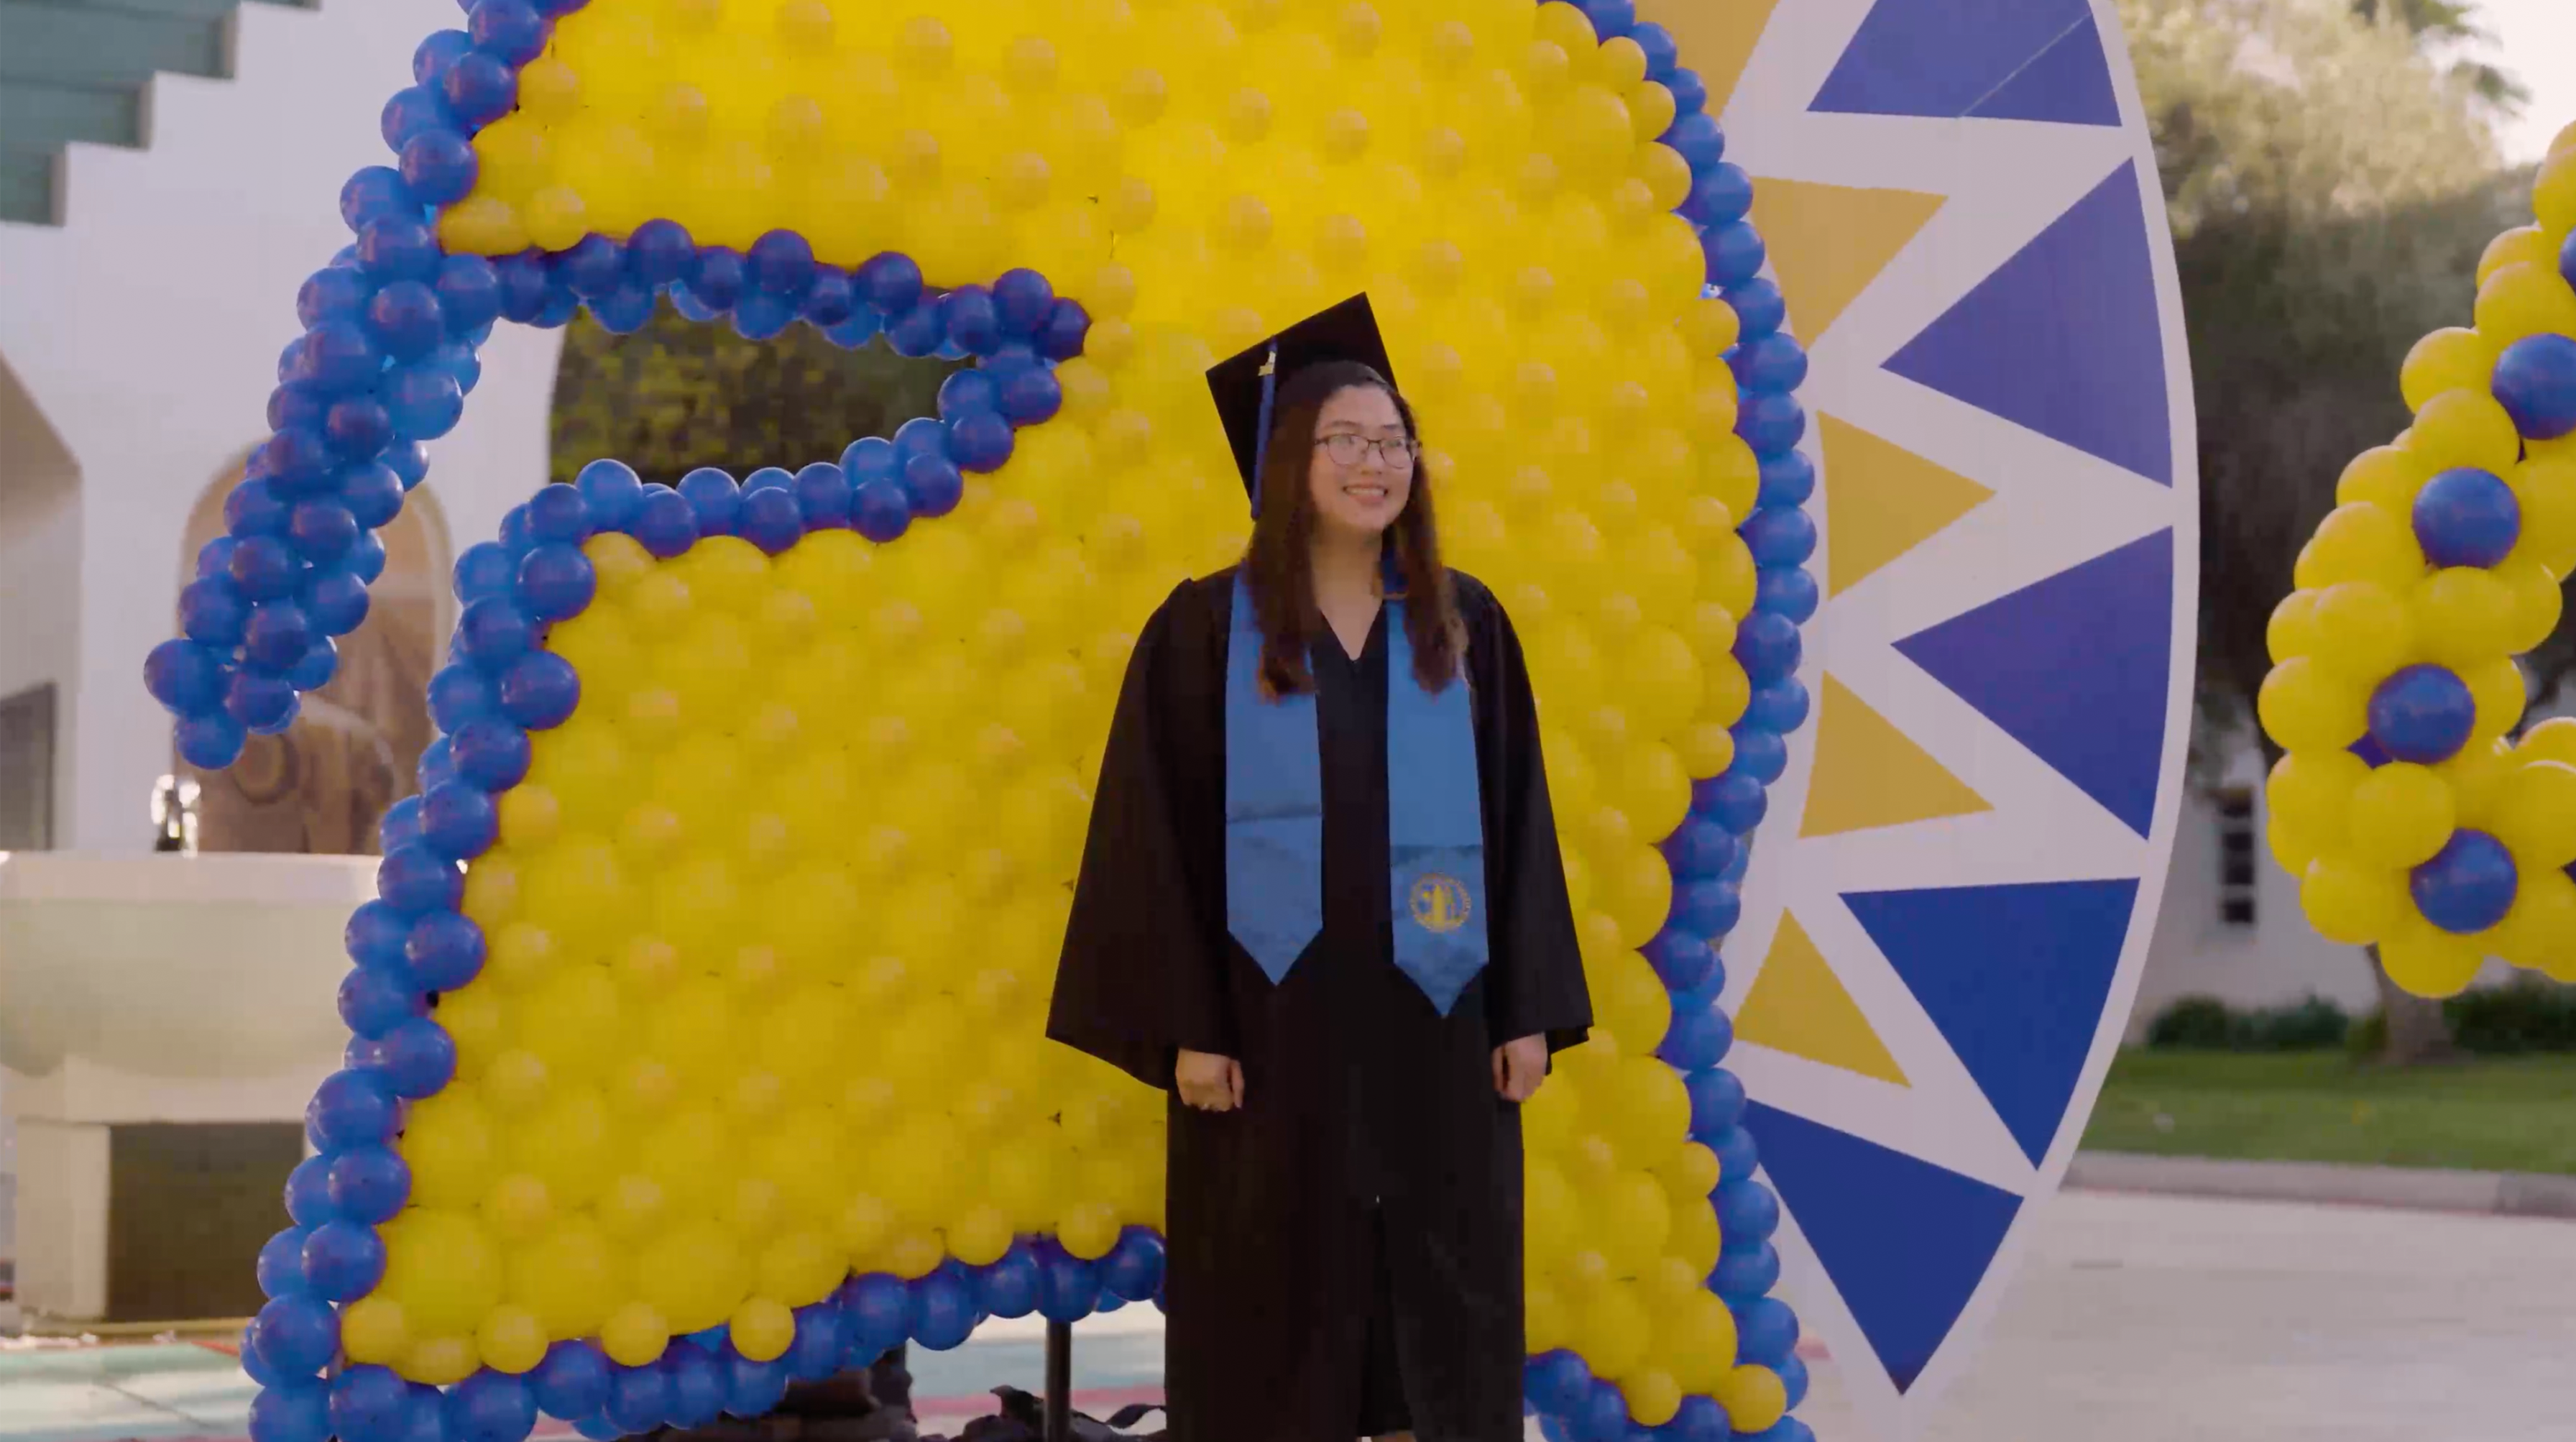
(1274, 817)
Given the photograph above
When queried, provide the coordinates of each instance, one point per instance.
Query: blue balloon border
(388, 355)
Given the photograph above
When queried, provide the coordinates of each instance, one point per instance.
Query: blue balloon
(1663, 52)
(1068, 1287)
(2422, 714)
(665, 523)
(370, 1404)
(409, 460)
(980, 441)
(1032, 396)
(1023, 300)
(494, 631)
(1787, 1429)
(639, 1398)
(1698, 140)
(480, 88)
(713, 499)
(932, 486)
(2469, 884)
(458, 819)
(1773, 362)
(373, 1001)
(1009, 1287)
(556, 582)
(864, 325)
(255, 508)
(1690, 97)
(215, 558)
(349, 1109)
(881, 511)
(692, 309)
(296, 1412)
(414, 880)
(943, 1309)
(1067, 326)
(524, 285)
(1717, 1102)
(344, 1260)
(445, 950)
(458, 695)
(1765, 1331)
(1556, 1382)
(572, 1381)
(296, 1335)
(277, 635)
(916, 331)
(260, 702)
(424, 400)
(1734, 252)
(1698, 1037)
(871, 458)
(375, 935)
(768, 478)
(439, 164)
(2535, 381)
(891, 282)
(1759, 308)
(1779, 707)
(1681, 955)
(406, 321)
(763, 315)
(469, 293)
(213, 612)
(821, 1337)
(1746, 1210)
(823, 496)
(1770, 421)
(1734, 800)
(369, 1185)
(595, 267)
(2467, 517)
(1788, 478)
(371, 493)
(419, 1057)
(598, 1429)
(1793, 1377)
(358, 428)
(1768, 648)
(753, 1389)
(1133, 1270)
(334, 358)
(1719, 195)
(337, 599)
(967, 392)
(1603, 1417)
(1706, 908)
(1701, 1419)
(974, 322)
(322, 531)
(1737, 1154)
(315, 668)
(336, 293)
(491, 1407)
(186, 677)
(877, 1309)
(281, 1266)
(376, 192)
(782, 263)
(488, 751)
(437, 763)
(660, 253)
(1698, 849)
(308, 1187)
(1610, 19)
(697, 1386)
(718, 277)
(771, 519)
(557, 515)
(1788, 592)
(1745, 1270)
(831, 300)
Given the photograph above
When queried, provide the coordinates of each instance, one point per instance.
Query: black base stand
(1059, 1382)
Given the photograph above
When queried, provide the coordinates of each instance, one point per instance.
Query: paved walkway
(2137, 1319)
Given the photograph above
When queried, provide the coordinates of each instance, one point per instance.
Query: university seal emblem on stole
(1440, 903)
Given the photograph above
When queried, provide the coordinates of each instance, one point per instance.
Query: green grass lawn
(2504, 1115)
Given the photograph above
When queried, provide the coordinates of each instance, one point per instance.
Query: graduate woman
(1322, 905)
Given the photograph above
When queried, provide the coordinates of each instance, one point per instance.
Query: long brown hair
(1279, 563)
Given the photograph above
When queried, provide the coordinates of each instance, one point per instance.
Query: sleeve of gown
(1139, 978)
(1536, 986)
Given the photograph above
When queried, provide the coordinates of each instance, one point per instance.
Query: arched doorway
(321, 787)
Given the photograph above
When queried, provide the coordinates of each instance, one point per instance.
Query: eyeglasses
(1395, 453)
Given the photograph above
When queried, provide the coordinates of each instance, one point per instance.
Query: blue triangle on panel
(1905, 1242)
(2088, 699)
(1948, 58)
(2015, 977)
(2064, 337)
(2069, 83)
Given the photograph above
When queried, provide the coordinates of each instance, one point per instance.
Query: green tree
(2331, 186)
(679, 394)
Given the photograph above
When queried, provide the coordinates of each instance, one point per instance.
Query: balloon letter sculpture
(698, 1021)
(2413, 822)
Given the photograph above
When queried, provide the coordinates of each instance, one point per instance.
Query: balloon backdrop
(2412, 820)
(699, 1016)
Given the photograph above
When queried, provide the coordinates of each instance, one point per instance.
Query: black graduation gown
(1345, 1250)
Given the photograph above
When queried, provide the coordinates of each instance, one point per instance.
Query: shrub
(2204, 1023)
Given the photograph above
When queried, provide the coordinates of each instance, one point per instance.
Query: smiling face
(1361, 474)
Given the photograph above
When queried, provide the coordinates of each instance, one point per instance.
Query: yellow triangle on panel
(1882, 501)
(1800, 1007)
(1868, 774)
(1714, 39)
(1828, 242)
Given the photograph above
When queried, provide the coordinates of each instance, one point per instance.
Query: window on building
(2236, 856)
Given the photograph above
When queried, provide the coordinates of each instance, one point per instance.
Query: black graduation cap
(1245, 384)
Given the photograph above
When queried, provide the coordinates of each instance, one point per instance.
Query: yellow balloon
(2546, 487)
(2540, 931)
(2305, 707)
(2477, 777)
(2353, 903)
(2524, 243)
(2364, 630)
(2537, 602)
(762, 1329)
(2386, 476)
(512, 1339)
(2312, 791)
(1614, 1328)
(635, 1335)
(572, 1278)
(2535, 815)
(2361, 541)
(2463, 615)
(1754, 1398)
(442, 1267)
(1632, 1218)
(2427, 961)
(2401, 815)
(2467, 428)
(2294, 849)
(2292, 631)
(372, 1329)
(2553, 192)
(2524, 299)
(2454, 358)
(2501, 692)
(1654, 1398)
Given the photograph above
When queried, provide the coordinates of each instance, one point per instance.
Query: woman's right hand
(1209, 1082)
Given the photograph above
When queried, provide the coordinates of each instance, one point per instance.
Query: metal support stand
(1059, 1382)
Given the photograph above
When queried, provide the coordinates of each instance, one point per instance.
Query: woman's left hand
(1519, 1066)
